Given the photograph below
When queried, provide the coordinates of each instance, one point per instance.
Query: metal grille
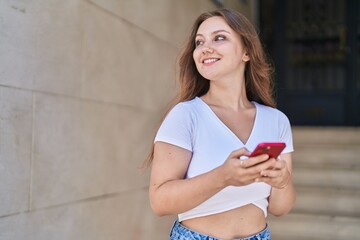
(316, 44)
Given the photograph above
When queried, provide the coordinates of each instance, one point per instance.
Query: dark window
(315, 48)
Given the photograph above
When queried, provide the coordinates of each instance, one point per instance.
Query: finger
(251, 178)
(239, 152)
(242, 165)
(271, 173)
(279, 164)
(264, 180)
(246, 163)
(258, 168)
(257, 160)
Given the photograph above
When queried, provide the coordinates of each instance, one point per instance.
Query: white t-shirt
(193, 125)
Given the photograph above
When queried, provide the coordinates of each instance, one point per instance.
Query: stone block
(168, 20)
(17, 44)
(41, 45)
(84, 149)
(58, 29)
(120, 216)
(15, 150)
(125, 65)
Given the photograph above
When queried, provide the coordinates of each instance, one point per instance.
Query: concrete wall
(83, 84)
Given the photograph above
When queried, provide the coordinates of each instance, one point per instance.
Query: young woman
(201, 169)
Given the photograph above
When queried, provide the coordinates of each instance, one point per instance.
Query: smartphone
(273, 149)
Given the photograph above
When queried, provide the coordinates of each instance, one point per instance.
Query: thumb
(239, 152)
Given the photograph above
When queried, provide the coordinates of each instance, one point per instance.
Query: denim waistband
(180, 232)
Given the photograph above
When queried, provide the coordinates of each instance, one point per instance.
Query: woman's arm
(170, 193)
(283, 196)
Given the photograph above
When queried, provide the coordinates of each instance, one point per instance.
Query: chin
(210, 76)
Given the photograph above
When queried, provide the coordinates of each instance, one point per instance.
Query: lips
(210, 60)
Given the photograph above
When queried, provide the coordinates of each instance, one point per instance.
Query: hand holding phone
(273, 149)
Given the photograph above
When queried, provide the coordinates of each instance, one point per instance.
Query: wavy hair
(258, 71)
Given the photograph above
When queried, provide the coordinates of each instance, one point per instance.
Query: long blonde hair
(258, 71)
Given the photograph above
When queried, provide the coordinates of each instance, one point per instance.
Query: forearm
(282, 200)
(170, 193)
(177, 196)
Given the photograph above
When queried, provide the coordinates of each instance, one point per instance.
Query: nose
(207, 49)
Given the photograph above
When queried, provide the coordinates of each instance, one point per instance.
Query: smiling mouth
(211, 60)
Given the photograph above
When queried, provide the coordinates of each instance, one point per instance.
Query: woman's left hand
(278, 176)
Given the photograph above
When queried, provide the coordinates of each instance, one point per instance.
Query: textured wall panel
(121, 216)
(15, 150)
(124, 64)
(41, 45)
(168, 20)
(84, 149)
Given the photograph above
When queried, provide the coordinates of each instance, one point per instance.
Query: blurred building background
(83, 86)
(315, 45)
(315, 48)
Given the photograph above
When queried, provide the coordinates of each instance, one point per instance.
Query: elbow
(161, 204)
(158, 208)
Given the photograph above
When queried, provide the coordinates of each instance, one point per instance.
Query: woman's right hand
(171, 193)
(240, 172)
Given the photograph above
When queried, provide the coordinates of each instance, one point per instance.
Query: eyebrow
(215, 32)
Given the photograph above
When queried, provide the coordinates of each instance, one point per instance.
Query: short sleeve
(177, 127)
(285, 133)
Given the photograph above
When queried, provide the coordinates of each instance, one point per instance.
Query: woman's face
(219, 52)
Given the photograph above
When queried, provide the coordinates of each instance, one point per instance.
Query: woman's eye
(198, 42)
(220, 38)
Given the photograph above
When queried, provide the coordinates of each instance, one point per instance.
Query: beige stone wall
(83, 84)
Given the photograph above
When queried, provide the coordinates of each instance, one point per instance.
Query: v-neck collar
(213, 114)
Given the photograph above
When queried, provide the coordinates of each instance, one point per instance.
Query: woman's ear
(246, 57)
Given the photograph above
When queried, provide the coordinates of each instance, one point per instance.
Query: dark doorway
(315, 48)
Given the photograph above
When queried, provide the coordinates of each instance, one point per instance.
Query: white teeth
(211, 60)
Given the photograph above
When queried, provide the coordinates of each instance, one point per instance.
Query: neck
(230, 96)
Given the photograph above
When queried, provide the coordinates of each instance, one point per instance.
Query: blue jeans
(180, 232)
